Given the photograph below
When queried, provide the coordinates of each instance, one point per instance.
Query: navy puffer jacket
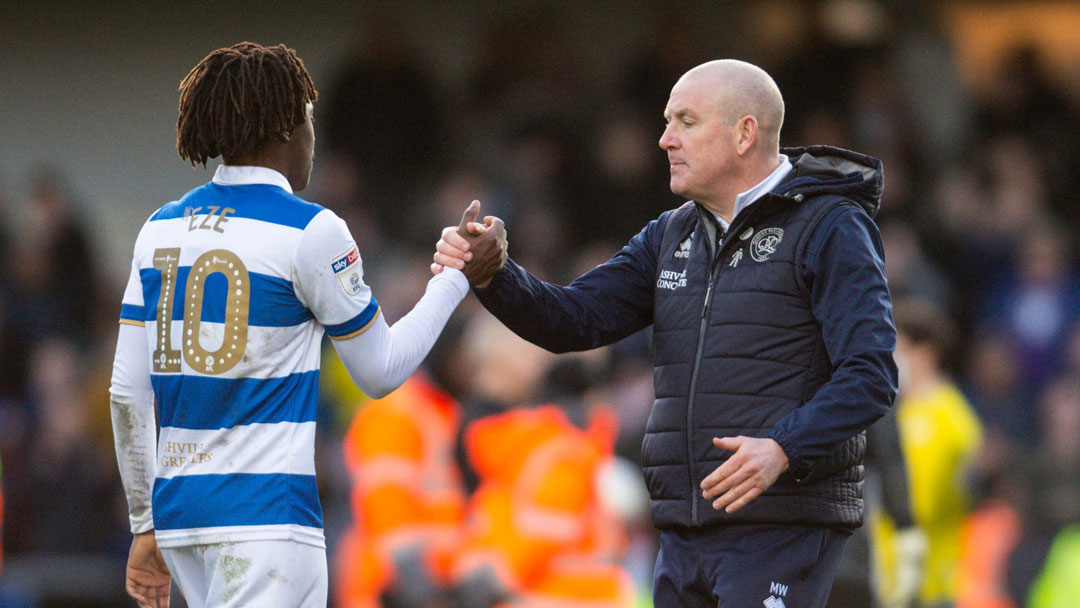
(781, 327)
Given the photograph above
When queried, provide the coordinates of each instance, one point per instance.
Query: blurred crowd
(977, 224)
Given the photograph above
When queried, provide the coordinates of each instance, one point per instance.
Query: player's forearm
(382, 358)
(134, 427)
(134, 435)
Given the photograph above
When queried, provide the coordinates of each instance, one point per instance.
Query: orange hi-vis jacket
(535, 520)
(988, 537)
(407, 490)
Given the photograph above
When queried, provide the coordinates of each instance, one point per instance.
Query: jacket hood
(826, 169)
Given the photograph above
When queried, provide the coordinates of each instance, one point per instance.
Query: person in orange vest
(537, 534)
(407, 500)
(987, 539)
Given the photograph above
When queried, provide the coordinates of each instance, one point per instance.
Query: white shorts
(250, 573)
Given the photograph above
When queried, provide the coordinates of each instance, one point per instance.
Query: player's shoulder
(261, 202)
(299, 212)
(325, 223)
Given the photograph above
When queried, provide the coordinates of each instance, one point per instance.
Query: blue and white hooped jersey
(235, 284)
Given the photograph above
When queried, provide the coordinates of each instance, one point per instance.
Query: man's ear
(745, 134)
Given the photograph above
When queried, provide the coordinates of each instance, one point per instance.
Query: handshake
(478, 250)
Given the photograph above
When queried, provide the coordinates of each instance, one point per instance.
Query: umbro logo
(684, 248)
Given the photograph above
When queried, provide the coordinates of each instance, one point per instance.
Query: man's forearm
(850, 300)
(860, 391)
(561, 319)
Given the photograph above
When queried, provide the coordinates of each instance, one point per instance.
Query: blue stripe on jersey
(236, 499)
(261, 202)
(203, 402)
(272, 300)
(132, 312)
(354, 323)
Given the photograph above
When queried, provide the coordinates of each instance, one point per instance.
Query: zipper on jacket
(702, 326)
(716, 252)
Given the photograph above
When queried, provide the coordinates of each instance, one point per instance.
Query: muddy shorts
(250, 573)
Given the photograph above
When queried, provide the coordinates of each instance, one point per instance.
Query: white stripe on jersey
(283, 350)
(234, 534)
(250, 448)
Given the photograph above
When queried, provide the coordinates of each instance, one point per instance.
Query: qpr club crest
(765, 243)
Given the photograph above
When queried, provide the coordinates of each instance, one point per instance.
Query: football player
(231, 289)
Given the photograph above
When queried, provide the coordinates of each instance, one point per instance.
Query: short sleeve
(328, 276)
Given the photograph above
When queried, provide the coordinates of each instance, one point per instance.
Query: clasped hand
(478, 250)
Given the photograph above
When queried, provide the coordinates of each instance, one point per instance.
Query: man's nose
(667, 140)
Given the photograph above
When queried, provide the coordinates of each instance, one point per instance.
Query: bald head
(739, 89)
(723, 132)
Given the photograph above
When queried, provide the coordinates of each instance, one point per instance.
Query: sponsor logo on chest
(671, 280)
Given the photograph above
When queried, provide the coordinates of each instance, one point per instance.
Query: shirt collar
(745, 199)
(237, 175)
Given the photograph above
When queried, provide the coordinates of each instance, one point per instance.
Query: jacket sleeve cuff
(797, 467)
(497, 282)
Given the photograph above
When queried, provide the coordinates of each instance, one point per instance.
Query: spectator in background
(538, 532)
(14, 357)
(63, 471)
(1038, 305)
(386, 121)
(407, 500)
(911, 273)
(1024, 99)
(626, 181)
(504, 371)
(527, 68)
(1009, 414)
(55, 277)
(989, 536)
(940, 435)
(1043, 567)
(957, 230)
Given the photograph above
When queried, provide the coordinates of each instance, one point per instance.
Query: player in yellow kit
(939, 435)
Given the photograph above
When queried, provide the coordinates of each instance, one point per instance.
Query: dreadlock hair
(238, 97)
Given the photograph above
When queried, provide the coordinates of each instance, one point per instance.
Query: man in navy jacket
(772, 340)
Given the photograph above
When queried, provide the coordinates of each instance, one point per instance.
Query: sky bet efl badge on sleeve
(349, 270)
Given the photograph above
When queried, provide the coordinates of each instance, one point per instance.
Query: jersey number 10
(238, 294)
